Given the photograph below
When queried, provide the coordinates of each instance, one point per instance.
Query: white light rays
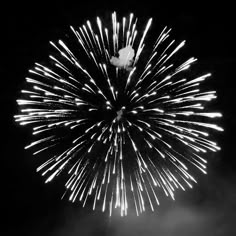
(120, 133)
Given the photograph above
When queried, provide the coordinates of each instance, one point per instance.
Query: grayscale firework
(120, 114)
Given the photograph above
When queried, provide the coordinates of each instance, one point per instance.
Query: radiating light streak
(120, 133)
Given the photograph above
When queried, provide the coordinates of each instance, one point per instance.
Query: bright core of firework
(121, 115)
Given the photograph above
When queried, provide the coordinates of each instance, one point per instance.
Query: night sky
(29, 207)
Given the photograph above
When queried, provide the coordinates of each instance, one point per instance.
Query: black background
(29, 207)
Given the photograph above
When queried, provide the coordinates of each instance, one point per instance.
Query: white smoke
(125, 58)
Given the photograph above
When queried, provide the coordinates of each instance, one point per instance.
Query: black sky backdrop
(29, 207)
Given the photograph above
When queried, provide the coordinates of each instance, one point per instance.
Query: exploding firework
(124, 119)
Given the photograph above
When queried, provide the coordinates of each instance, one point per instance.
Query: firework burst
(124, 119)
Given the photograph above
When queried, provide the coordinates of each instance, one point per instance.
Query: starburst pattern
(122, 117)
